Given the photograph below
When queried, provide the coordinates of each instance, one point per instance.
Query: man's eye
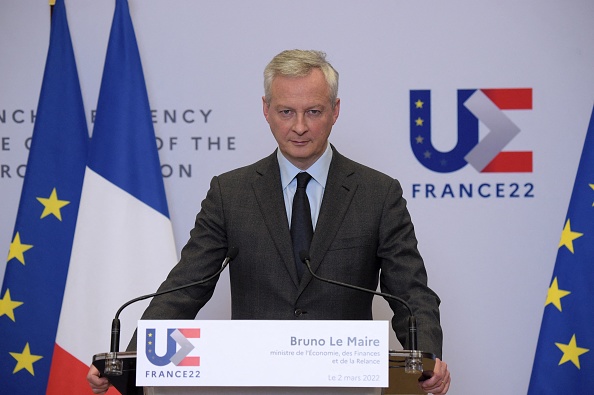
(315, 112)
(285, 112)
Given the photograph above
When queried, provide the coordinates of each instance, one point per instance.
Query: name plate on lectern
(241, 353)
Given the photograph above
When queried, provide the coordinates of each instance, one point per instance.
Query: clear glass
(413, 364)
(113, 365)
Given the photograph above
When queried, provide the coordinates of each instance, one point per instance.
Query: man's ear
(336, 110)
(265, 108)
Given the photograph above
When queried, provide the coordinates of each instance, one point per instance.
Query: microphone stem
(385, 295)
(115, 335)
(412, 321)
(412, 333)
(115, 324)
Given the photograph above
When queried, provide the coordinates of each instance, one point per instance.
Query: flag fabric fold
(564, 359)
(123, 245)
(39, 252)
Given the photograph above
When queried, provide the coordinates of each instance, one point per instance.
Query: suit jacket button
(298, 312)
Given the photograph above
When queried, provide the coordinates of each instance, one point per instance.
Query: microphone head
(303, 256)
(232, 253)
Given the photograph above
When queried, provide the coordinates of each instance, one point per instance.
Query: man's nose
(300, 125)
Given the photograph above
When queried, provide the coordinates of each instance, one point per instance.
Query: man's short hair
(299, 63)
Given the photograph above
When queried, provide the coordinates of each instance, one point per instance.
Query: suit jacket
(364, 234)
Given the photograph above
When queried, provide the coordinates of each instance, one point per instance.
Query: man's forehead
(299, 102)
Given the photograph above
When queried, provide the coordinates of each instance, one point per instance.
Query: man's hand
(439, 383)
(99, 385)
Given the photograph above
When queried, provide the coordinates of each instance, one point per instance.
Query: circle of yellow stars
(571, 351)
(52, 205)
(25, 360)
(568, 236)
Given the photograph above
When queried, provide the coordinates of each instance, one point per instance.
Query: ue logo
(175, 337)
(474, 105)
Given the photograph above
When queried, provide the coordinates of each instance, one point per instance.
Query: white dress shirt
(315, 188)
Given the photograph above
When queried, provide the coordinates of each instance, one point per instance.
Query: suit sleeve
(201, 257)
(403, 273)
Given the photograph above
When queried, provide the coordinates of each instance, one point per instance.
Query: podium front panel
(260, 391)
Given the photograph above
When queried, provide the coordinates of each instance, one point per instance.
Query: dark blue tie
(301, 226)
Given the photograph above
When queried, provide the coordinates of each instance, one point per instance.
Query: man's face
(301, 116)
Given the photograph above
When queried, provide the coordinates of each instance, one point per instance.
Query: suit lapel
(339, 192)
(269, 195)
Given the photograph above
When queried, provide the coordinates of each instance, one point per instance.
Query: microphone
(413, 363)
(113, 366)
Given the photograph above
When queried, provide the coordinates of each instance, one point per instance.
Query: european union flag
(39, 253)
(564, 361)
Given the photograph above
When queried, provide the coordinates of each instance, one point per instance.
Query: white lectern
(400, 382)
(186, 357)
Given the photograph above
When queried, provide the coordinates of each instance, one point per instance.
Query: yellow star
(419, 121)
(571, 352)
(17, 249)
(555, 294)
(52, 205)
(25, 360)
(419, 104)
(8, 305)
(592, 186)
(420, 139)
(568, 236)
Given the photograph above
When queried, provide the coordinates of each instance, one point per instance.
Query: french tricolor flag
(123, 244)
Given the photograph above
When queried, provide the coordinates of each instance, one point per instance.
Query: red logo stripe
(510, 162)
(190, 361)
(190, 333)
(510, 99)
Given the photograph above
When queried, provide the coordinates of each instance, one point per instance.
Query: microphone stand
(114, 365)
(414, 361)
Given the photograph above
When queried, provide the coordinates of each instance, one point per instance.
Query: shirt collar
(318, 171)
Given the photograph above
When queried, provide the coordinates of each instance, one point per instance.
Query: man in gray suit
(362, 230)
